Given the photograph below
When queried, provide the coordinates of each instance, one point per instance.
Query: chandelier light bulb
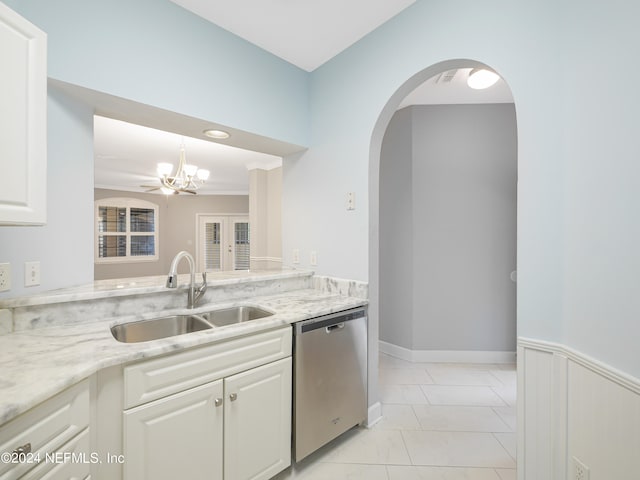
(190, 170)
(186, 179)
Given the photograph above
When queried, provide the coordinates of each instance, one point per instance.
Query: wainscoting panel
(570, 407)
(535, 414)
(604, 426)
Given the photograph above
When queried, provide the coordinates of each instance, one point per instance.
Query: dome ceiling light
(217, 134)
(481, 78)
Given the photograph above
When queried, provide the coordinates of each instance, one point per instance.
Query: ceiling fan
(153, 188)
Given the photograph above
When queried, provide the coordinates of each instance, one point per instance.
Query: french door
(223, 243)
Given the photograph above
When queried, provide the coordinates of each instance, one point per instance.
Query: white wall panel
(570, 405)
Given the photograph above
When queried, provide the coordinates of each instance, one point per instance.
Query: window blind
(213, 248)
(241, 240)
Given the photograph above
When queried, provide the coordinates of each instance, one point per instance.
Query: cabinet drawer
(46, 427)
(164, 376)
(61, 467)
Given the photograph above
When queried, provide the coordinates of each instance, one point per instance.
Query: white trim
(621, 378)
(374, 414)
(267, 259)
(265, 263)
(395, 351)
(447, 356)
(265, 166)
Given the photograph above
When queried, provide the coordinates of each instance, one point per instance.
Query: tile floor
(440, 422)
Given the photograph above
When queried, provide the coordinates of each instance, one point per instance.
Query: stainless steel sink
(156, 328)
(229, 316)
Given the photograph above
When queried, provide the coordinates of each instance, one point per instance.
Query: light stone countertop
(145, 285)
(38, 363)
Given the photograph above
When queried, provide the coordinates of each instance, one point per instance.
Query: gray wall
(462, 188)
(396, 232)
(177, 219)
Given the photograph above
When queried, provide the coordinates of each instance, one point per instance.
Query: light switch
(296, 256)
(313, 258)
(31, 274)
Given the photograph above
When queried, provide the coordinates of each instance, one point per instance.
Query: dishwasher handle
(331, 322)
(332, 328)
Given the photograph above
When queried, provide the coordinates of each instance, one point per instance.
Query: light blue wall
(349, 93)
(64, 246)
(602, 186)
(151, 52)
(572, 72)
(156, 53)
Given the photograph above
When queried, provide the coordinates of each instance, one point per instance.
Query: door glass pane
(212, 246)
(241, 240)
(142, 245)
(142, 220)
(112, 246)
(112, 219)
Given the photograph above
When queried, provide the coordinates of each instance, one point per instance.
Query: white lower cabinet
(179, 436)
(257, 422)
(52, 438)
(237, 427)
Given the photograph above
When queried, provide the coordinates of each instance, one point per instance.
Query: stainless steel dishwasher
(330, 378)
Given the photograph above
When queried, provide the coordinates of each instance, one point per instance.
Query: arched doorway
(414, 346)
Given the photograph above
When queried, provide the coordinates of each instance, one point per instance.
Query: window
(126, 230)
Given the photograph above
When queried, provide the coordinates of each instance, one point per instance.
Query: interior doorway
(447, 223)
(223, 242)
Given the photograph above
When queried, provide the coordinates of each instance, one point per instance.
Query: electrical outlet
(5, 277)
(31, 274)
(351, 201)
(581, 471)
(296, 256)
(313, 258)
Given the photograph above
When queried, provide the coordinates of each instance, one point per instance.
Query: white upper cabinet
(23, 120)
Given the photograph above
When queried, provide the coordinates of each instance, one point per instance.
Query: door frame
(227, 217)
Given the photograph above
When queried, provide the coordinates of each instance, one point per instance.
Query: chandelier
(187, 178)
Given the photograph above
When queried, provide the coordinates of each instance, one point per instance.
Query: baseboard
(374, 415)
(446, 356)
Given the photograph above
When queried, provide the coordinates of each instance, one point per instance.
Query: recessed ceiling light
(219, 134)
(481, 78)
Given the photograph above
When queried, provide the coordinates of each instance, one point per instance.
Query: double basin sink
(173, 325)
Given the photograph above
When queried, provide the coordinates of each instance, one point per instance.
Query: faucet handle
(204, 278)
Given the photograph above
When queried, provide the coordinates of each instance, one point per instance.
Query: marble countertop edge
(38, 364)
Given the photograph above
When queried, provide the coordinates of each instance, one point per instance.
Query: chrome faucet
(194, 293)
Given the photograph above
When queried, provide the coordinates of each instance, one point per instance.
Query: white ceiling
(305, 33)
(126, 156)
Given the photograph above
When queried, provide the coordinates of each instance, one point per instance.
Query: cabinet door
(179, 436)
(257, 434)
(23, 120)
